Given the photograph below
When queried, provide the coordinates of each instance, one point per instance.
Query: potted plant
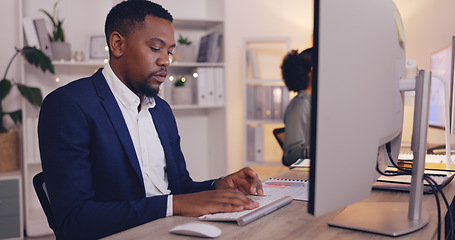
(9, 159)
(180, 93)
(184, 50)
(60, 48)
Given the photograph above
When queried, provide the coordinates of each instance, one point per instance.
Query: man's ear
(116, 44)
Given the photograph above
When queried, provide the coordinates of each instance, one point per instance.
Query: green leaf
(33, 95)
(16, 116)
(5, 87)
(37, 58)
(49, 16)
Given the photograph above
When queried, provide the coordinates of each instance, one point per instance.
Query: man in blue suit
(110, 147)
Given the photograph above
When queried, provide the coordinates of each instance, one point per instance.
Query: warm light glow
(106, 60)
(171, 78)
(106, 48)
(195, 75)
(183, 79)
(57, 79)
(170, 60)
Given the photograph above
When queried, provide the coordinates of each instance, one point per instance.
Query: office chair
(41, 191)
(279, 135)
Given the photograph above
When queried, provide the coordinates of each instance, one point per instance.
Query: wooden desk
(293, 221)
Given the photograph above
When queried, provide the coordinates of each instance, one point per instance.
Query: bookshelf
(201, 126)
(265, 98)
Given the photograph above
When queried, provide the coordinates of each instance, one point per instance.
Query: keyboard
(429, 158)
(267, 204)
(402, 182)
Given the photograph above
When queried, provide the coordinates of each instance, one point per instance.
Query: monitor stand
(398, 218)
(386, 218)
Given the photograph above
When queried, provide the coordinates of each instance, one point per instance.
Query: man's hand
(245, 180)
(201, 203)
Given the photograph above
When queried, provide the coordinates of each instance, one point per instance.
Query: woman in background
(296, 72)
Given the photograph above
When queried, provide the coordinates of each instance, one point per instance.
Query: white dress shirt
(147, 144)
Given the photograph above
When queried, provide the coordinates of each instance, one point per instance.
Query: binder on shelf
(277, 100)
(268, 102)
(205, 89)
(30, 33)
(219, 86)
(259, 144)
(250, 101)
(255, 143)
(250, 143)
(43, 38)
(259, 103)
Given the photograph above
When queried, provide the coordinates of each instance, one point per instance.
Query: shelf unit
(11, 224)
(265, 98)
(201, 127)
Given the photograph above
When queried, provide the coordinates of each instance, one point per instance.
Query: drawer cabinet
(10, 207)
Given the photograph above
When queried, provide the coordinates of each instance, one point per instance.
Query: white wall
(10, 39)
(429, 26)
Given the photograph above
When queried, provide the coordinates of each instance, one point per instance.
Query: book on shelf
(210, 48)
(43, 37)
(203, 48)
(252, 64)
(31, 36)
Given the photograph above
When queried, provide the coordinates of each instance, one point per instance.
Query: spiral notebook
(297, 189)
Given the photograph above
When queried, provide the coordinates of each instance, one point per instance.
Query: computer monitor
(442, 63)
(357, 102)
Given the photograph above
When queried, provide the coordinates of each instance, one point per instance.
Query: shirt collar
(124, 95)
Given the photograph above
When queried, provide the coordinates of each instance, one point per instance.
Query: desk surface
(293, 221)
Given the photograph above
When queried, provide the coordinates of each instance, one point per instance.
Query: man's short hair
(127, 15)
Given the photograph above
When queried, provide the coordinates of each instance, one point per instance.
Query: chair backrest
(41, 191)
(279, 135)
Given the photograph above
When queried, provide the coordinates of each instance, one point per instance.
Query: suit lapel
(115, 115)
(160, 121)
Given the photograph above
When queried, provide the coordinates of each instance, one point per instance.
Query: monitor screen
(357, 106)
(442, 63)
(359, 79)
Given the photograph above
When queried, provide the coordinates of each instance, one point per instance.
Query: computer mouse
(197, 230)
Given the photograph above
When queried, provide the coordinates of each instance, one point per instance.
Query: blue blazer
(90, 166)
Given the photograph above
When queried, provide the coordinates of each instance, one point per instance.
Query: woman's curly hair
(295, 69)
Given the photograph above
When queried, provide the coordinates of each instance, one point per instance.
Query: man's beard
(147, 90)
